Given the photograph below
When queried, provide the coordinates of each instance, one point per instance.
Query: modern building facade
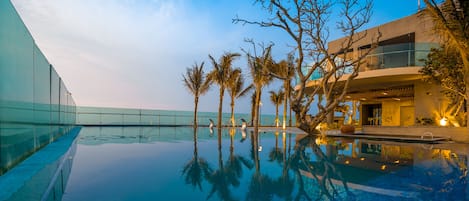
(389, 88)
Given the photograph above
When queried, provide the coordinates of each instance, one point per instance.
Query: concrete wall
(418, 23)
(431, 102)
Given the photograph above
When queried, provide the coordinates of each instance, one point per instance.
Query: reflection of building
(389, 85)
(394, 169)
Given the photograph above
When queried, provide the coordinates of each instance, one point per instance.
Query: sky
(132, 53)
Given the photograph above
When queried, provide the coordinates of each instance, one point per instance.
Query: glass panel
(30, 93)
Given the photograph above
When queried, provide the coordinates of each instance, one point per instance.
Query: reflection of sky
(117, 53)
(152, 170)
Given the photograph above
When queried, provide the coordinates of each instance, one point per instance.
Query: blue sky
(132, 53)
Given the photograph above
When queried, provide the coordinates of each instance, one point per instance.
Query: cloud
(132, 53)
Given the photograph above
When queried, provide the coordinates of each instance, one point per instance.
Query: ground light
(444, 121)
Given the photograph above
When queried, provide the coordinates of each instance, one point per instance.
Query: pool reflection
(319, 168)
(157, 163)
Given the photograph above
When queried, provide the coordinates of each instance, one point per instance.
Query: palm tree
(286, 71)
(220, 74)
(198, 83)
(277, 99)
(259, 67)
(235, 87)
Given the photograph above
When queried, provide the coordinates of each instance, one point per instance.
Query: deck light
(383, 167)
(362, 159)
(347, 162)
(444, 121)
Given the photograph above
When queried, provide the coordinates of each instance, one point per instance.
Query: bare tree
(307, 23)
(451, 19)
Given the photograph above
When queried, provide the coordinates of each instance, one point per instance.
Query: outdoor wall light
(444, 121)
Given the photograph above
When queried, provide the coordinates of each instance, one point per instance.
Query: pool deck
(405, 134)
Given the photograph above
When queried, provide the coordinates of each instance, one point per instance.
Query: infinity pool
(148, 163)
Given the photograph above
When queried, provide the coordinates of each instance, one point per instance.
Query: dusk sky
(132, 53)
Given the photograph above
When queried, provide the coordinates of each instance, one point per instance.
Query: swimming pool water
(151, 163)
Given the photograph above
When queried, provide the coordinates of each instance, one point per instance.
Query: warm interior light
(397, 161)
(444, 121)
(385, 93)
(362, 159)
(347, 162)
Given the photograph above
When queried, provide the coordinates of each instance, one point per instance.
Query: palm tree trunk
(289, 118)
(285, 102)
(276, 115)
(467, 100)
(220, 107)
(256, 112)
(196, 103)
(232, 111)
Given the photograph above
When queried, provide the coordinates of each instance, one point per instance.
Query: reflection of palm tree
(235, 163)
(294, 163)
(283, 185)
(276, 154)
(197, 168)
(222, 179)
(260, 185)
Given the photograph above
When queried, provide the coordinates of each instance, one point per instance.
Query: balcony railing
(397, 55)
(389, 56)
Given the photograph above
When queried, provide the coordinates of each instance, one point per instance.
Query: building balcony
(388, 57)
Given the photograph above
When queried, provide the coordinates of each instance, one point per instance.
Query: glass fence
(398, 55)
(95, 116)
(35, 106)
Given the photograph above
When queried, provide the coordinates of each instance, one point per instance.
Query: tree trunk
(276, 115)
(220, 107)
(285, 102)
(256, 112)
(330, 119)
(196, 103)
(232, 111)
(467, 101)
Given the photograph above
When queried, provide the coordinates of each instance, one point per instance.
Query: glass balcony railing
(388, 56)
(397, 55)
